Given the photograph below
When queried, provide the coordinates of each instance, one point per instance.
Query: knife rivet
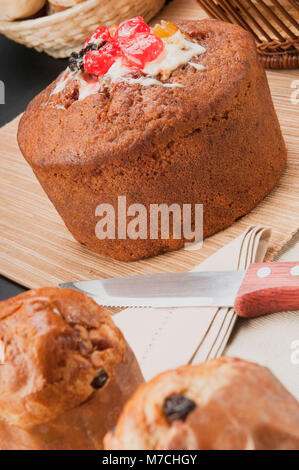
(264, 272)
(295, 270)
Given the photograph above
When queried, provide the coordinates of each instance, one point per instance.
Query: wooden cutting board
(37, 250)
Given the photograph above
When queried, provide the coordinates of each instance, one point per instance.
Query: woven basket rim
(49, 19)
(280, 51)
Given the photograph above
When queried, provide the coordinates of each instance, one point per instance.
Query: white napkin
(163, 339)
(249, 248)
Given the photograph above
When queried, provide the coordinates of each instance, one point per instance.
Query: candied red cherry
(141, 49)
(99, 62)
(129, 28)
(100, 34)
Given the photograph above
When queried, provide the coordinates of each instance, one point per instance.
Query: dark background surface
(25, 73)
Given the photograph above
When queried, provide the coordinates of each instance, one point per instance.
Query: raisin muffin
(67, 371)
(224, 403)
(190, 122)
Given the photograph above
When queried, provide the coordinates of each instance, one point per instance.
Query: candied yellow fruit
(165, 29)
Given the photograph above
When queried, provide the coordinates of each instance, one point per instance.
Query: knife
(262, 288)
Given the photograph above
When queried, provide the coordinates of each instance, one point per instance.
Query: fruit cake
(175, 114)
(222, 404)
(67, 371)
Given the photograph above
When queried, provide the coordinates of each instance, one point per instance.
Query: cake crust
(217, 135)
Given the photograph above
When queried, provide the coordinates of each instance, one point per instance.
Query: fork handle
(268, 288)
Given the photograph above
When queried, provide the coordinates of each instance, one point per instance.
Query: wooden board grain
(37, 250)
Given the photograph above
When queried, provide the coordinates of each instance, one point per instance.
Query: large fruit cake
(175, 114)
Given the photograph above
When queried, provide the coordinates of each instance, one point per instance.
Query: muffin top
(124, 117)
(59, 347)
(220, 404)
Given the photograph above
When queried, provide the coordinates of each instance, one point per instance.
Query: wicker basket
(61, 33)
(274, 24)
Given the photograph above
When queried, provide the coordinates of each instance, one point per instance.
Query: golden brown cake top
(220, 404)
(124, 119)
(60, 348)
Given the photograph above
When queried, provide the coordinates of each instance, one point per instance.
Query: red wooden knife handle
(268, 288)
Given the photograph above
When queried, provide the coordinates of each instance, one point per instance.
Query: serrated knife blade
(188, 289)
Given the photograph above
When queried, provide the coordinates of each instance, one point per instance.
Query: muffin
(222, 404)
(67, 371)
(187, 120)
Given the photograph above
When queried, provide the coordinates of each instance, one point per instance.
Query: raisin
(177, 406)
(89, 47)
(100, 380)
(76, 59)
